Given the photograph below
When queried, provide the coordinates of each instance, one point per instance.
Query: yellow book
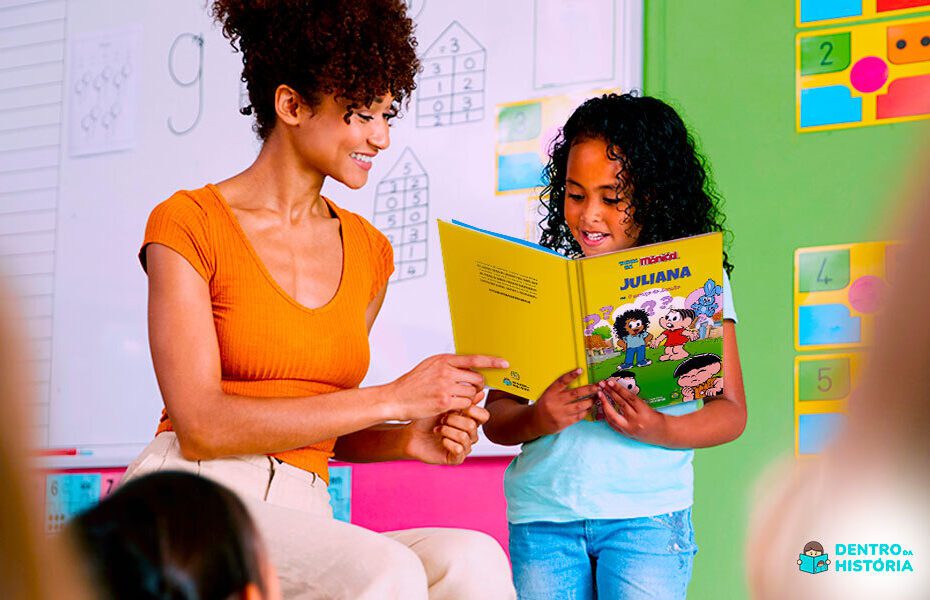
(651, 316)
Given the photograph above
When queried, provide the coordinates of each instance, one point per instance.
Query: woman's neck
(278, 182)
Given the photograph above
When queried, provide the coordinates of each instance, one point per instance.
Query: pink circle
(866, 294)
(869, 74)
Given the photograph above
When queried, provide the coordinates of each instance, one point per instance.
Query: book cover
(650, 316)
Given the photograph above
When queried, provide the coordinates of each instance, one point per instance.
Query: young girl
(605, 507)
(174, 535)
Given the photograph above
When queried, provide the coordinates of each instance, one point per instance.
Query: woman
(261, 296)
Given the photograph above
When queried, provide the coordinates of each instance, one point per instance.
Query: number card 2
(822, 386)
(863, 75)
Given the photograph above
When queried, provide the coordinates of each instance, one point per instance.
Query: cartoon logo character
(631, 329)
(813, 560)
(699, 377)
(627, 379)
(706, 306)
(677, 325)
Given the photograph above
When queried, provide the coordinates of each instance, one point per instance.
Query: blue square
(817, 430)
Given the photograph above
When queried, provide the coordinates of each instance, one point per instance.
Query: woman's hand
(439, 384)
(561, 406)
(445, 439)
(634, 419)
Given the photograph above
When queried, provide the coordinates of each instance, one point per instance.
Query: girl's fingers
(563, 381)
(583, 406)
(614, 418)
(583, 392)
(627, 397)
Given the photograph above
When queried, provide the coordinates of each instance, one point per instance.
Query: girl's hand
(439, 384)
(635, 419)
(448, 438)
(691, 334)
(559, 406)
(654, 344)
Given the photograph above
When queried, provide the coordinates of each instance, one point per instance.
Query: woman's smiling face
(344, 151)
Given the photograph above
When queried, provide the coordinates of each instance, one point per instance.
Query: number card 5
(823, 384)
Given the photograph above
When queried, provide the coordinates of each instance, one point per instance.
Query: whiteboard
(108, 107)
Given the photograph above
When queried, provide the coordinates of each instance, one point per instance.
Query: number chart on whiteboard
(110, 107)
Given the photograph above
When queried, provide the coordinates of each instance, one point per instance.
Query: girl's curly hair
(662, 175)
(357, 51)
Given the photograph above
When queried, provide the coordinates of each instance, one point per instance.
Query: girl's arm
(721, 420)
(513, 421)
(211, 423)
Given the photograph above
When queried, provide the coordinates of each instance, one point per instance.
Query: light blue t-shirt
(635, 341)
(590, 471)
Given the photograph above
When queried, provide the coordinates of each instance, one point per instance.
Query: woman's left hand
(446, 439)
(635, 419)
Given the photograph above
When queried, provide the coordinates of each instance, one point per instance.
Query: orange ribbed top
(270, 345)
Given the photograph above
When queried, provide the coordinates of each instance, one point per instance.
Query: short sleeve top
(270, 345)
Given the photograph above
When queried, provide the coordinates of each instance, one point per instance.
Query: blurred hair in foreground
(871, 485)
(32, 566)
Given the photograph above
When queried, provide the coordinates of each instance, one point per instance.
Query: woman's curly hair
(357, 51)
(662, 175)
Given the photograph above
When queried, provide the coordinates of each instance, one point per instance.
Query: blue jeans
(634, 355)
(629, 559)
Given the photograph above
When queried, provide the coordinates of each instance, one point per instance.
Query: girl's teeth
(361, 157)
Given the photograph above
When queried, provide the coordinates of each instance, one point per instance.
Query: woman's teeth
(361, 157)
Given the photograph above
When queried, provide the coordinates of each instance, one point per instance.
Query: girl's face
(344, 151)
(597, 216)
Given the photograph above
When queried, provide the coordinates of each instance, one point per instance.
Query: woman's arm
(721, 420)
(210, 423)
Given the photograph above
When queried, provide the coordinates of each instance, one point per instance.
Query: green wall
(728, 66)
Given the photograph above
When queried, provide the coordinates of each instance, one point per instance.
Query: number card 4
(838, 290)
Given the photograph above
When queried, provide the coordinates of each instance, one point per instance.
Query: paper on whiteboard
(102, 91)
(574, 42)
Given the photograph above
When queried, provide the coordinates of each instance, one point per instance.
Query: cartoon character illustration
(624, 377)
(631, 329)
(699, 377)
(706, 306)
(812, 559)
(677, 325)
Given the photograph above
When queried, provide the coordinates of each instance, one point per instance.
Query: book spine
(576, 297)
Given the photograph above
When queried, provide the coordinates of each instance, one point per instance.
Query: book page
(653, 318)
(510, 300)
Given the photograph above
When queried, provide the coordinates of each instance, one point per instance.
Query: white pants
(317, 556)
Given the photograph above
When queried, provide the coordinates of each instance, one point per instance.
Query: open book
(650, 316)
